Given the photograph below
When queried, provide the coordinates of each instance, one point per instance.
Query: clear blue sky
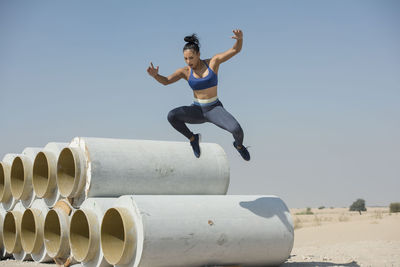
(316, 86)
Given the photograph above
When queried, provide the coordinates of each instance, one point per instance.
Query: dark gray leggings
(215, 114)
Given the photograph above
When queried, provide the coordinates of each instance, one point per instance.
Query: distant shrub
(358, 205)
(321, 208)
(395, 207)
(307, 212)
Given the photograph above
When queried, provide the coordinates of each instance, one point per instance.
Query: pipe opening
(79, 235)
(112, 236)
(52, 232)
(40, 178)
(28, 231)
(9, 232)
(2, 181)
(66, 172)
(17, 178)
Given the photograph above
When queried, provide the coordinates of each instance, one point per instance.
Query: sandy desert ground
(337, 237)
(334, 237)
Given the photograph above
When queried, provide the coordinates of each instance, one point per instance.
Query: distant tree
(322, 207)
(395, 207)
(308, 211)
(358, 205)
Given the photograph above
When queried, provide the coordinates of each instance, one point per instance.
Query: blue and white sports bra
(203, 83)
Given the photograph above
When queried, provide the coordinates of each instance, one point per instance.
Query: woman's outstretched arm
(176, 76)
(222, 57)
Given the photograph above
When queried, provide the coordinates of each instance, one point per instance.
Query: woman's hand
(152, 71)
(238, 34)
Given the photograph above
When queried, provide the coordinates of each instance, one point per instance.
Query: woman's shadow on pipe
(269, 207)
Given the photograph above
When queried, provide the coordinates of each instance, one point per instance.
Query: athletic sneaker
(243, 152)
(196, 145)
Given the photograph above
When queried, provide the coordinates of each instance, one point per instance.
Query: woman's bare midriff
(205, 93)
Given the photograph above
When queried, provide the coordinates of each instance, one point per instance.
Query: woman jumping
(202, 78)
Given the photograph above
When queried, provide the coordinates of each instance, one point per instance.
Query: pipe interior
(17, 178)
(112, 236)
(2, 180)
(9, 232)
(52, 232)
(40, 178)
(28, 231)
(66, 172)
(79, 235)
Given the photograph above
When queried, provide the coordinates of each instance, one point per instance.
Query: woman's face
(192, 58)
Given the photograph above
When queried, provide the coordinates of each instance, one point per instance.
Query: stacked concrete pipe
(7, 200)
(21, 176)
(85, 232)
(2, 249)
(187, 231)
(12, 233)
(175, 211)
(32, 231)
(99, 167)
(56, 233)
(44, 178)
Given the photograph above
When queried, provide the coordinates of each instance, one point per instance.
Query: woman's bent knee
(172, 115)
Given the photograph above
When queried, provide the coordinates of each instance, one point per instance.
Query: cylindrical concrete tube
(12, 233)
(157, 231)
(21, 176)
(56, 232)
(7, 200)
(99, 167)
(2, 214)
(32, 231)
(3, 252)
(44, 179)
(85, 232)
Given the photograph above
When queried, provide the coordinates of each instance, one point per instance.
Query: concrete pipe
(21, 176)
(157, 231)
(32, 231)
(56, 232)
(12, 233)
(85, 232)
(2, 214)
(44, 173)
(98, 167)
(7, 200)
(3, 252)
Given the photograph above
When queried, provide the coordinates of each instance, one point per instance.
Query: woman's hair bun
(192, 39)
(192, 43)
